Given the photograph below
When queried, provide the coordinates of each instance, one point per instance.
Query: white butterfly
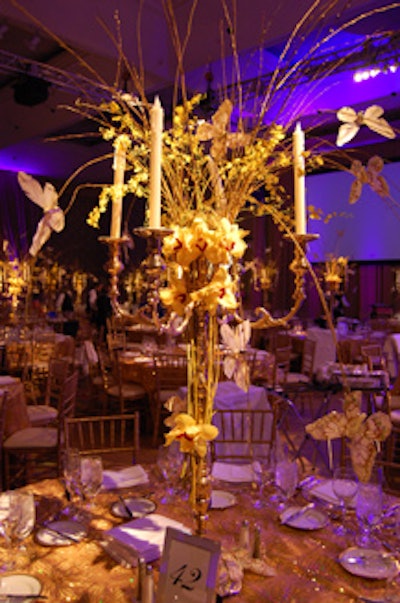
(371, 117)
(236, 340)
(47, 199)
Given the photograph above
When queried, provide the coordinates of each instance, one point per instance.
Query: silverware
(126, 507)
(60, 533)
(298, 513)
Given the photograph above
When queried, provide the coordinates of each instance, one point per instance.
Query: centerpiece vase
(203, 374)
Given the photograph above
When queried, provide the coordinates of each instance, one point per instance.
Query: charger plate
(369, 563)
(19, 584)
(138, 507)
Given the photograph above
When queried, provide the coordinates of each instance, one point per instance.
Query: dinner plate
(19, 584)
(138, 507)
(220, 499)
(369, 563)
(324, 491)
(311, 519)
(61, 533)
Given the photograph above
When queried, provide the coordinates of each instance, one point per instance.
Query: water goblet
(169, 463)
(71, 468)
(345, 488)
(91, 477)
(286, 479)
(264, 471)
(17, 516)
(369, 512)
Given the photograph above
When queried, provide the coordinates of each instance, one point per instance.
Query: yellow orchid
(219, 292)
(192, 436)
(176, 296)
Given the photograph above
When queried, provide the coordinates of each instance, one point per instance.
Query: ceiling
(34, 36)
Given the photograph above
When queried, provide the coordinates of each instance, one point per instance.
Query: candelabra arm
(299, 266)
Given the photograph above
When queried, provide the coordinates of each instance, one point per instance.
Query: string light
(366, 74)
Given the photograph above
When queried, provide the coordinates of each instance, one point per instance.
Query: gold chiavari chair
(109, 436)
(37, 450)
(243, 433)
(46, 413)
(170, 374)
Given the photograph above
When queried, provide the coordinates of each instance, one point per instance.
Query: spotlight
(30, 91)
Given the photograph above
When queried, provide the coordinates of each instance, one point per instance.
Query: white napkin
(324, 491)
(125, 478)
(231, 472)
(146, 535)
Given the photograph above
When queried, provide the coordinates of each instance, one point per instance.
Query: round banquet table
(305, 562)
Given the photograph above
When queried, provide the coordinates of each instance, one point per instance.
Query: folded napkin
(125, 478)
(324, 491)
(231, 472)
(146, 535)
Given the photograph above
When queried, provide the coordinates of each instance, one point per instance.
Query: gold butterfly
(218, 132)
(371, 117)
(371, 175)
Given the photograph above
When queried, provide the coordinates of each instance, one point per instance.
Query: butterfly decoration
(218, 132)
(371, 117)
(235, 340)
(371, 175)
(53, 216)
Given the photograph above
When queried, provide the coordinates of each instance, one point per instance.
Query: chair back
(389, 458)
(170, 372)
(281, 367)
(67, 401)
(3, 413)
(16, 357)
(373, 356)
(59, 369)
(243, 434)
(105, 435)
(307, 362)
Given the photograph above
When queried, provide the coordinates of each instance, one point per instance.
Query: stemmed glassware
(17, 518)
(91, 477)
(369, 504)
(286, 479)
(264, 473)
(71, 467)
(345, 486)
(169, 463)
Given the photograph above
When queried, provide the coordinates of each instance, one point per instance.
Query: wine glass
(71, 468)
(286, 479)
(17, 516)
(264, 471)
(345, 488)
(91, 477)
(169, 463)
(368, 511)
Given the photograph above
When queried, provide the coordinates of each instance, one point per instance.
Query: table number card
(188, 569)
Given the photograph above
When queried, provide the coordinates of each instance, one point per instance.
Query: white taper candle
(119, 176)
(156, 125)
(299, 180)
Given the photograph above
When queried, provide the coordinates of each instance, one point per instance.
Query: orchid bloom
(220, 291)
(175, 296)
(192, 436)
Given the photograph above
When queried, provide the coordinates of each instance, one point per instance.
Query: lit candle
(119, 175)
(299, 181)
(156, 125)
